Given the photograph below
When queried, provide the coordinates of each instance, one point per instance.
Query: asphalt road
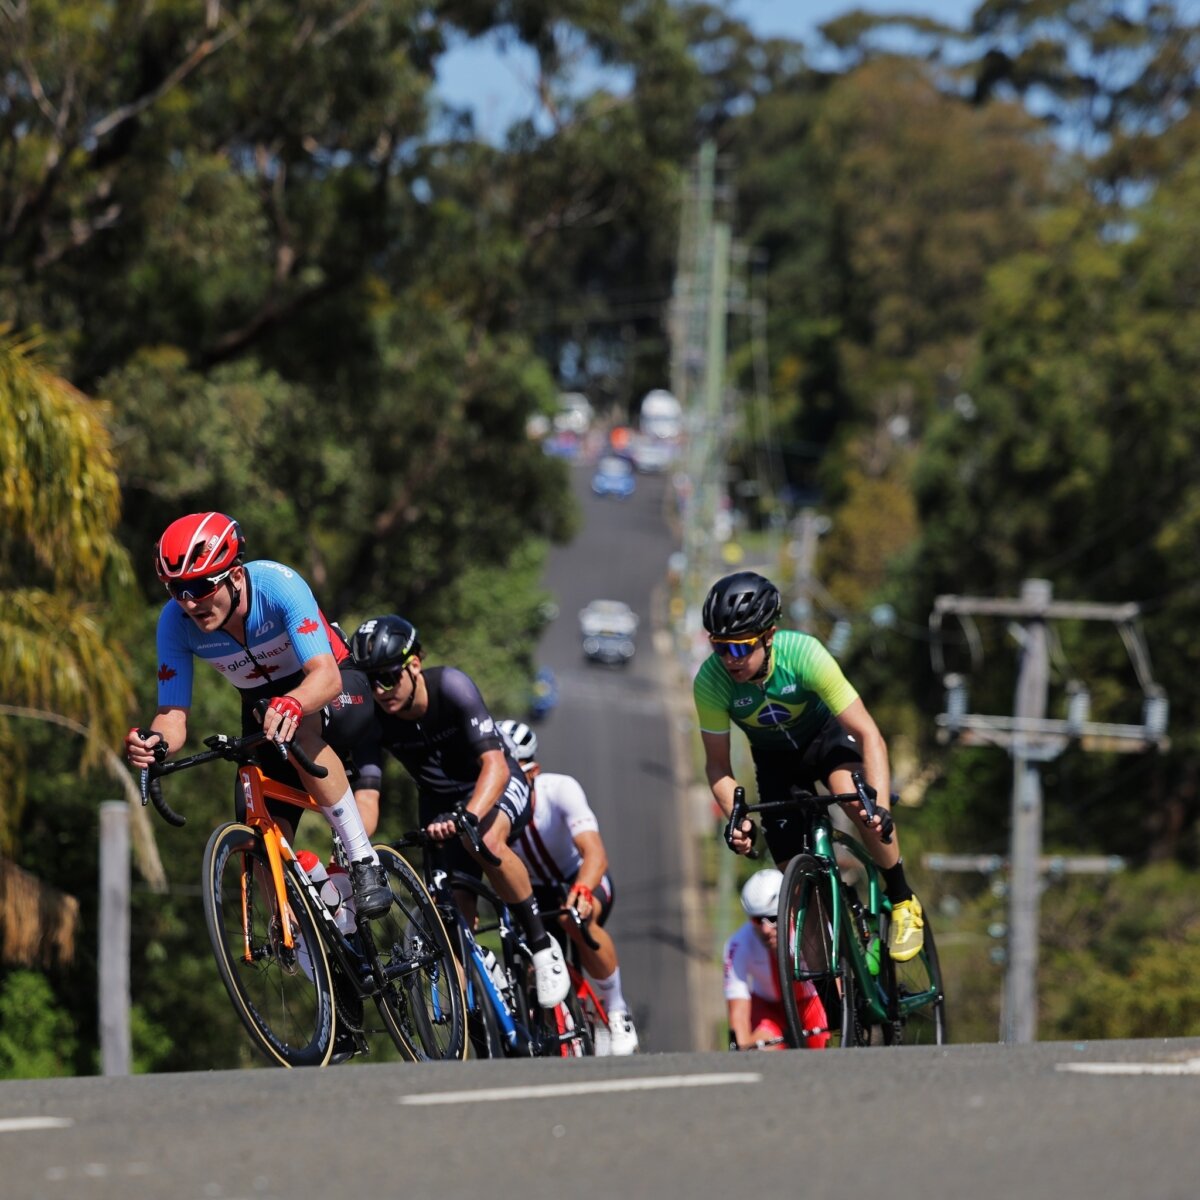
(610, 730)
(985, 1122)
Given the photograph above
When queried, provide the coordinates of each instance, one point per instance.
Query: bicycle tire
(547, 1025)
(804, 926)
(423, 1007)
(283, 997)
(483, 1026)
(916, 1024)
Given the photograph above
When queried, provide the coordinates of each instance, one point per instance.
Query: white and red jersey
(750, 969)
(547, 844)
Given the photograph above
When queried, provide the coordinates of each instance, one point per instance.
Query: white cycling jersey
(547, 844)
(749, 967)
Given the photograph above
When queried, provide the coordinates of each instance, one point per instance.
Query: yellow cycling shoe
(906, 936)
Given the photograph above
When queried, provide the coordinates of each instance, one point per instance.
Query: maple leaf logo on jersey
(309, 626)
(261, 673)
(165, 673)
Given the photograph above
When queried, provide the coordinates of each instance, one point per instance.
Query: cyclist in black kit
(437, 724)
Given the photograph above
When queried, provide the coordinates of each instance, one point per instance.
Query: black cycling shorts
(779, 770)
(345, 721)
(513, 802)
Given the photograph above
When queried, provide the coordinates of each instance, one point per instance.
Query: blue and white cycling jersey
(284, 629)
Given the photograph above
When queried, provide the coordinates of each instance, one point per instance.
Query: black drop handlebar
(467, 824)
(863, 793)
(220, 745)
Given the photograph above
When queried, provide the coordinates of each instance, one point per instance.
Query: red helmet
(202, 544)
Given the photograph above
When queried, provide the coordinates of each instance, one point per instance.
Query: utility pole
(113, 950)
(1033, 681)
(808, 526)
(1032, 739)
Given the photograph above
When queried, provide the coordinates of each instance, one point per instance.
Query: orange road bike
(292, 974)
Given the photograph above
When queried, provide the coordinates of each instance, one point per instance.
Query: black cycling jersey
(441, 750)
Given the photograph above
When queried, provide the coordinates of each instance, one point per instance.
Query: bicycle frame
(256, 789)
(584, 992)
(877, 1004)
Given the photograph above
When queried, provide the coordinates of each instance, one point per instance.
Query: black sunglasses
(767, 920)
(198, 588)
(386, 680)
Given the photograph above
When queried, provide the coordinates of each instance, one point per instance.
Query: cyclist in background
(258, 624)
(752, 994)
(564, 853)
(805, 724)
(436, 723)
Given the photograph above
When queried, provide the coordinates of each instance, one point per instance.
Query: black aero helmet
(740, 605)
(384, 642)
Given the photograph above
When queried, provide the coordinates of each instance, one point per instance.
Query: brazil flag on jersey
(803, 688)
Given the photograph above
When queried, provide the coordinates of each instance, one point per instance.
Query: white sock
(609, 991)
(347, 824)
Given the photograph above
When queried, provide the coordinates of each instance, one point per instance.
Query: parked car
(608, 628)
(574, 414)
(613, 477)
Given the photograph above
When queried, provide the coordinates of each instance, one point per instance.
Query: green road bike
(835, 937)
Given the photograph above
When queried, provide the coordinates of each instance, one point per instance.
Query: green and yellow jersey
(803, 687)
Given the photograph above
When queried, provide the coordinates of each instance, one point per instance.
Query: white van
(661, 415)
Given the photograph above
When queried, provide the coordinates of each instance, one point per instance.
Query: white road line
(18, 1124)
(1190, 1067)
(547, 1090)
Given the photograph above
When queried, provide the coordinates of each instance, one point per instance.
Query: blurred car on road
(544, 697)
(613, 477)
(608, 628)
(651, 455)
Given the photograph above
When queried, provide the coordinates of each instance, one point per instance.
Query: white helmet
(760, 893)
(523, 739)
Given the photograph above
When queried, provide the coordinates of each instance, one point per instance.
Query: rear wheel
(919, 998)
(561, 1031)
(809, 960)
(421, 997)
(282, 993)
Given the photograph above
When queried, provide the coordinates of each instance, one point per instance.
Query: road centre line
(1190, 1067)
(551, 1090)
(20, 1124)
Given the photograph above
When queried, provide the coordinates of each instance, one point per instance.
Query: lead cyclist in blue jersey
(259, 626)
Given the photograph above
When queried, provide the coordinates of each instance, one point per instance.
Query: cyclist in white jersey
(565, 855)
(753, 999)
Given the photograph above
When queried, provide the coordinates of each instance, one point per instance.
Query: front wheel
(918, 997)
(487, 1037)
(420, 996)
(816, 978)
(283, 994)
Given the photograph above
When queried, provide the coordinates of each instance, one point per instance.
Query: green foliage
(37, 1039)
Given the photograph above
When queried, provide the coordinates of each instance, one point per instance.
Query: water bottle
(872, 945)
(495, 970)
(314, 868)
(338, 893)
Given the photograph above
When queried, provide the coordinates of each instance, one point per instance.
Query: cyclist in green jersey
(804, 722)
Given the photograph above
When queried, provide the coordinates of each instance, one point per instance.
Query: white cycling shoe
(553, 982)
(622, 1036)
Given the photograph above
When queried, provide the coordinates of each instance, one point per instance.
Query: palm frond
(55, 656)
(59, 491)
